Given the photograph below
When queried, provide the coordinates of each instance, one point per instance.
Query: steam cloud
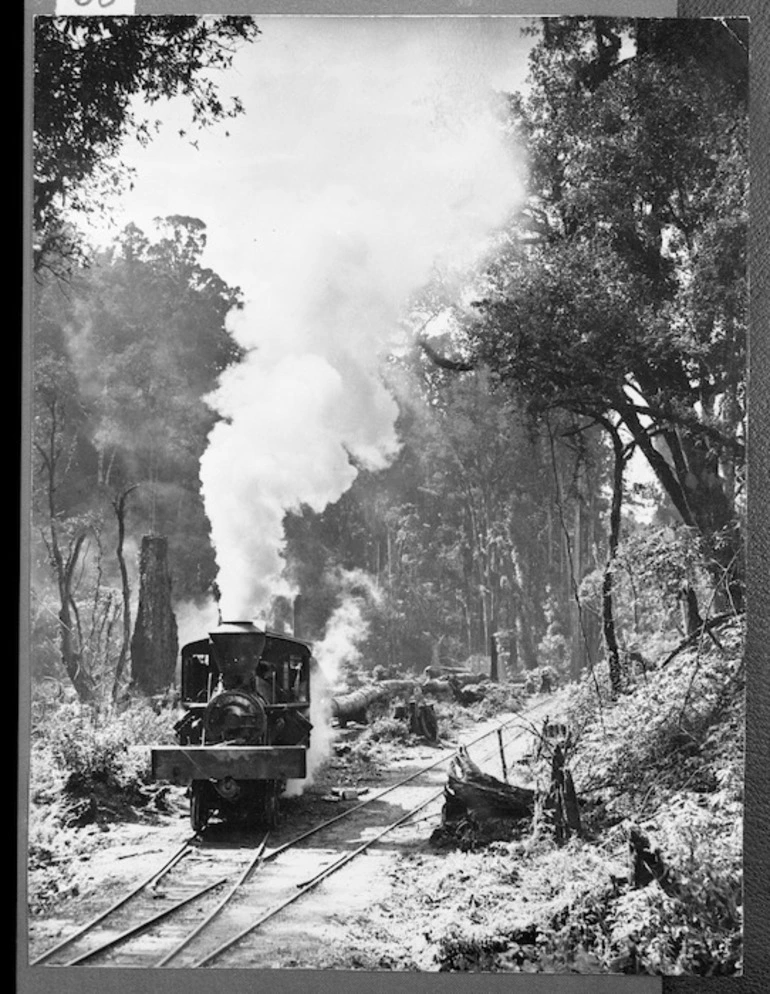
(392, 162)
(345, 631)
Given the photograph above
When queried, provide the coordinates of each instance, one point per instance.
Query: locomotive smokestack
(237, 647)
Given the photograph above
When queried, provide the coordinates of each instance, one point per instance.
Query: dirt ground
(379, 912)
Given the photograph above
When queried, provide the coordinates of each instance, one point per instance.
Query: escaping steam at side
(340, 646)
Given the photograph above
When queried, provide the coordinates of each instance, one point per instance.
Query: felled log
(438, 688)
(353, 706)
(470, 694)
(471, 792)
(394, 687)
(455, 674)
(464, 679)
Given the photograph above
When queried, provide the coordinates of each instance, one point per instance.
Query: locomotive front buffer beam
(183, 764)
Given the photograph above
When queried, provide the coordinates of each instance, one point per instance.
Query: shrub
(497, 698)
(86, 746)
(686, 724)
(387, 729)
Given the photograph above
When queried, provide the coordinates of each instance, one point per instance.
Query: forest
(569, 484)
(608, 332)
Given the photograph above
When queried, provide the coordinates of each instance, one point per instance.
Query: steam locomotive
(246, 727)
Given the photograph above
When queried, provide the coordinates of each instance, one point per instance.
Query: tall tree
(58, 418)
(123, 357)
(143, 333)
(469, 531)
(622, 292)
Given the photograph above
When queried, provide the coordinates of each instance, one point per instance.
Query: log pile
(444, 684)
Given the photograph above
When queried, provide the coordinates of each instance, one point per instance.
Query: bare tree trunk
(119, 504)
(71, 653)
(494, 674)
(63, 565)
(576, 566)
(608, 617)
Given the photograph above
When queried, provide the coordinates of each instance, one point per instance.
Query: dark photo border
(756, 978)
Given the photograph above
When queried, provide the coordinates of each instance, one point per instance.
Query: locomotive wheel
(199, 805)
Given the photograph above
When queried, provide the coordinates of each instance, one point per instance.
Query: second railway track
(223, 899)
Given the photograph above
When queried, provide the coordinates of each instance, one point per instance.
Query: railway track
(214, 903)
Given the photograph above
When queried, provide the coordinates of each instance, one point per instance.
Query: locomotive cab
(245, 728)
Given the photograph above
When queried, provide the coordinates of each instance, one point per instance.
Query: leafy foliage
(621, 293)
(92, 746)
(464, 535)
(674, 711)
(90, 75)
(665, 756)
(122, 363)
(89, 766)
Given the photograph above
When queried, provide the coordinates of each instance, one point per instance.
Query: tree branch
(444, 362)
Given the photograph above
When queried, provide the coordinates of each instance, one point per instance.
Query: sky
(369, 156)
(324, 97)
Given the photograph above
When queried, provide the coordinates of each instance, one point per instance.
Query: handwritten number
(102, 3)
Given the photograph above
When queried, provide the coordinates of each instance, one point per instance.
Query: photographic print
(387, 574)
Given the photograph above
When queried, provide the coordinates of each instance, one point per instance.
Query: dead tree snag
(155, 642)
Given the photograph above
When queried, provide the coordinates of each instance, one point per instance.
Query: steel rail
(259, 858)
(135, 929)
(376, 797)
(183, 850)
(212, 914)
(331, 869)
(309, 885)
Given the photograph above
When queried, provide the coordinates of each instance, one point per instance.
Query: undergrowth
(664, 758)
(88, 766)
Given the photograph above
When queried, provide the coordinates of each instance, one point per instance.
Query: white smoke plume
(195, 618)
(392, 162)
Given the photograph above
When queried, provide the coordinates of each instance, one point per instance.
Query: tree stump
(483, 795)
(646, 864)
(422, 721)
(559, 808)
